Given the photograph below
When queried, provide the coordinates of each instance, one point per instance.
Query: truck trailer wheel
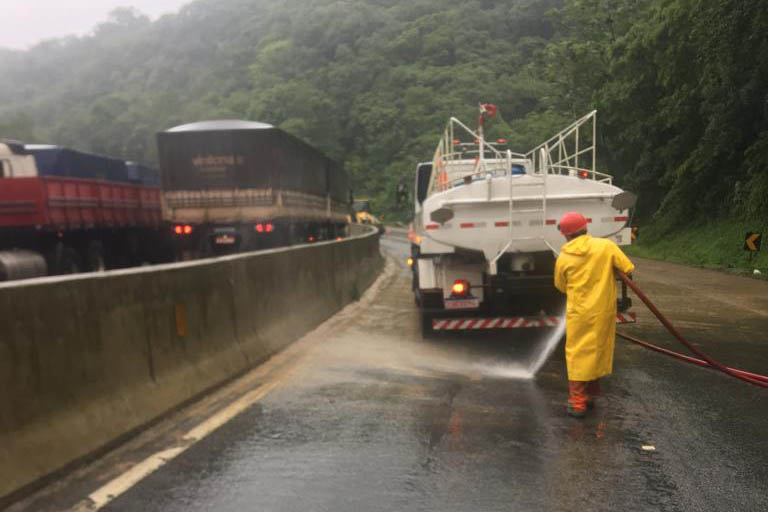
(65, 260)
(94, 258)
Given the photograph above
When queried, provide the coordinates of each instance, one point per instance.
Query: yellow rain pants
(584, 271)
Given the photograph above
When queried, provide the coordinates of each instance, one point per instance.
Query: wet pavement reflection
(375, 418)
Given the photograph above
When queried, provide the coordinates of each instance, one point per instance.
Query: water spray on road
(547, 347)
(542, 349)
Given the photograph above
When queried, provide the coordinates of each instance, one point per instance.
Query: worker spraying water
(585, 272)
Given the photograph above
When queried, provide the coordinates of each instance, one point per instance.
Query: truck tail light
(183, 229)
(460, 288)
(259, 227)
(269, 227)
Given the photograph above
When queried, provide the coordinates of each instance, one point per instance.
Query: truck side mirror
(423, 175)
(624, 201)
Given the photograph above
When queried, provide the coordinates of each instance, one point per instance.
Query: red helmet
(571, 223)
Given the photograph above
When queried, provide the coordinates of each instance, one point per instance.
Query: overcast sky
(26, 22)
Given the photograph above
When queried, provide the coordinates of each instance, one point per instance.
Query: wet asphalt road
(370, 417)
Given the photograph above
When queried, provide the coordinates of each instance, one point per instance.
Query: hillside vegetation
(681, 86)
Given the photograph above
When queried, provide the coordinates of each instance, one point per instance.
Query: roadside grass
(718, 246)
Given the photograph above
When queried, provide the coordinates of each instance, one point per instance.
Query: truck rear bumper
(514, 322)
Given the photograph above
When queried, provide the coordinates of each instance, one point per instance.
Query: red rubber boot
(593, 391)
(577, 399)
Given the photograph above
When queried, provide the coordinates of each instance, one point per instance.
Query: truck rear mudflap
(512, 322)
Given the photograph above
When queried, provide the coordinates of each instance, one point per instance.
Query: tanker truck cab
(484, 238)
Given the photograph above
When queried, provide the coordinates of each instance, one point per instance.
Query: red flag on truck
(488, 109)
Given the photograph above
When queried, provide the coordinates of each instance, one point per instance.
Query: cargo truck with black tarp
(231, 186)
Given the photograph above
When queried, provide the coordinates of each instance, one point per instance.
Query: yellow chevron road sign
(753, 241)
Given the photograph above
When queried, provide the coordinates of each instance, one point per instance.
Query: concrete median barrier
(87, 361)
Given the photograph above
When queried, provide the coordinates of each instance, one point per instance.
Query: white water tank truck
(484, 237)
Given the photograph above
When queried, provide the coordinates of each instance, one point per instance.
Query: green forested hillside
(681, 85)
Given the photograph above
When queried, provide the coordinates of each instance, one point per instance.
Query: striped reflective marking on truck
(629, 317)
(518, 322)
(553, 222)
(535, 222)
(470, 225)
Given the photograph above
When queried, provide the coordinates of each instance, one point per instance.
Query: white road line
(229, 412)
(119, 485)
(131, 477)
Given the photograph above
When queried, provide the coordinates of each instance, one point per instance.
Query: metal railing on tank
(479, 157)
(571, 152)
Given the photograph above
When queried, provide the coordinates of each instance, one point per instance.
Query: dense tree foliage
(681, 85)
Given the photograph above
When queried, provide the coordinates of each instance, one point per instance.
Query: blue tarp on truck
(142, 175)
(69, 163)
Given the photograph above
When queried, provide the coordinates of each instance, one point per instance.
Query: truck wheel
(94, 261)
(67, 261)
(426, 326)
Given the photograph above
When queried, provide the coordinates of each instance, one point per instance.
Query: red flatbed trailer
(53, 203)
(64, 211)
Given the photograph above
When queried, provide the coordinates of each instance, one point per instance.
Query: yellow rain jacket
(584, 271)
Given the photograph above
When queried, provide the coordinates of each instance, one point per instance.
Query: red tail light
(259, 227)
(178, 229)
(187, 229)
(460, 288)
(583, 174)
(269, 227)
(310, 238)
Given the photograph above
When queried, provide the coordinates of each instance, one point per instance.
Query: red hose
(687, 359)
(752, 378)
